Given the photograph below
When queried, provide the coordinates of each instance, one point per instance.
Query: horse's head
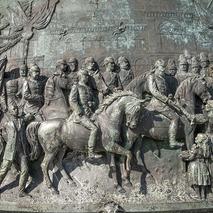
(201, 90)
(133, 110)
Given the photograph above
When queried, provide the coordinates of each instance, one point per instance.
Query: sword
(209, 4)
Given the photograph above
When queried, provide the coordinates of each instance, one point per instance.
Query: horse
(117, 112)
(154, 125)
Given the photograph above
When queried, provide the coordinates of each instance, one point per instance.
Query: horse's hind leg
(61, 167)
(48, 158)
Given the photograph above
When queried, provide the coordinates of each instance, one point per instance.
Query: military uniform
(54, 97)
(158, 88)
(82, 103)
(181, 74)
(13, 92)
(204, 59)
(112, 81)
(33, 97)
(16, 149)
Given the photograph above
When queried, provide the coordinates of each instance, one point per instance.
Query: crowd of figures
(111, 109)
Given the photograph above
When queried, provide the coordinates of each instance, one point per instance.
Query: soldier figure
(158, 87)
(204, 64)
(54, 94)
(182, 72)
(16, 147)
(111, 77)
(198, 169)
(73, 68)
(33, 93)
(83, 104)
(195, 66)
(188, 57)
(14, 88)
(170, 76)
(96, 79)
(125, 73)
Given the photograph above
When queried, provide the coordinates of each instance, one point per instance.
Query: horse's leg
(45, 167)
(117, 149)
(61, 167)
(113, 173)
(141, 162)
(125, 173)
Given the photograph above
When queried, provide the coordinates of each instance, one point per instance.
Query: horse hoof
(55, 192)
(176, 146)
(120, 189)
(128, 184)
(71, 183)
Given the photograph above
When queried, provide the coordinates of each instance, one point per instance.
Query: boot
(172, 135)
(91, 145)
(24, 194)
(92, 155)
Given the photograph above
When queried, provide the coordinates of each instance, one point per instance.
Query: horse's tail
(32, 137)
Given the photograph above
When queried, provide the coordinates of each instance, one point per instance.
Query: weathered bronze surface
(106, 106)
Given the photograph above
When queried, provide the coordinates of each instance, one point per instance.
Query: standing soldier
(204, 60)
(125, 73)
(14, 88)
(55, 87)
(16, 147)
(33, 89)
(199, 157)
(111, 77)
(83, 105)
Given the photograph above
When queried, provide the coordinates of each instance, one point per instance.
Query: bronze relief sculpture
(91, 126)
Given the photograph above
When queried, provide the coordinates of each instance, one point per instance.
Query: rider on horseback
(82, 103)
(158, 87)
(55, 89)
(33, 93)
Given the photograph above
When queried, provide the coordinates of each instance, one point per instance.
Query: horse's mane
(181, 90)
(110, 99)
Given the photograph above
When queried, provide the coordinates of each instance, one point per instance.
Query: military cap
(210, 56)
(171, 64)
(89, 60)
(159, 62)
(61, 61)
(73, 60)
(121, 59)
(187, 54)
(34, 67)
(108, 60)
(182, 60)
(23, 67)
